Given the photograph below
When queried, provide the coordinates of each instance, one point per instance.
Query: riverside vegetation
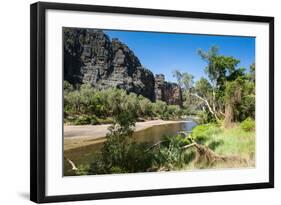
(224, 104)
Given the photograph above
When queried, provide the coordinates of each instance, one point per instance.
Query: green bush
(248, 124)
(83, 120)
(107, 120)
(137, 159)
(94, 120)
(205, 117)
(201, 133)
(170, 154)
(160, 109)
(174, 110)
(67, 86)
(82, 169)
(86, 120)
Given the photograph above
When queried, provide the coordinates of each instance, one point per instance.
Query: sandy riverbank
(83, 135)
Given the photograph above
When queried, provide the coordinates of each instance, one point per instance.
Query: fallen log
(205, 154)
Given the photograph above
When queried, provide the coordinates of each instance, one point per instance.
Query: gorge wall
(91, 57)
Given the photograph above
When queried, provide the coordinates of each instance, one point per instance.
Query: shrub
(248, 124)
(160, 108)
(83, 120)
(145, 107)
(94, 120)
(116, 147)
(201, 133)
(205, 117)
(174, 110)
(170, 155)
(86, 120)
(98, 166)
(67, 86)
(107, 120)
(137, 159)
(82, 169)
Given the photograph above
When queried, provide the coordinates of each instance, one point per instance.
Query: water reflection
(156, 133)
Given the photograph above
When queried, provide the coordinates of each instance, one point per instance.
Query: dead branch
(189, 145)
(74, 168)
(204, 153)
(154, 145)
(222, 113)
(208, 155)
(207, 103)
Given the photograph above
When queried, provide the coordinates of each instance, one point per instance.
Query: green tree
(219, 69)
(233, 94)
(160, 108)
(145, 107)
(116, 147)
(178, 75)
(252, 72)
(203, 88)
(187, 81)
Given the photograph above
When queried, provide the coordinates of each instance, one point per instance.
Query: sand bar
(83, 135)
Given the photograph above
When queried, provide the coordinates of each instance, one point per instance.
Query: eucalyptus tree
(178, 75)
(253, 72)
(187, 81)
(219, 69)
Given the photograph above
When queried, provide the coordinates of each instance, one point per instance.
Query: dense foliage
(248, 124)
(88, 105)
(227, 95)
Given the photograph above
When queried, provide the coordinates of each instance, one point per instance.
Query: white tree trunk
(207, 104)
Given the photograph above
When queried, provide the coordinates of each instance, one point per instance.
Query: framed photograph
(129, 102)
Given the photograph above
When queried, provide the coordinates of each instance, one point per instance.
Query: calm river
(85, 155)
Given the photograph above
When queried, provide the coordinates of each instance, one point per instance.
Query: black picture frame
(38, 101)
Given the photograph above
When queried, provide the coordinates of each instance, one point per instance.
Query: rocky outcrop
(91, 57)
(167, 91)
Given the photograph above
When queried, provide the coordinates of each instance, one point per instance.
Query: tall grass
(233, 142)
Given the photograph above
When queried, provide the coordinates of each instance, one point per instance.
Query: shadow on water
(85, 155)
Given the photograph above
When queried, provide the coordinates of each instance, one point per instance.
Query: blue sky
(164, 52)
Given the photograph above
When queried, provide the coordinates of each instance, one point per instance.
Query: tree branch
(189, 145)
(154, 145)
(74, 168)
(222, 113)
(207, 103)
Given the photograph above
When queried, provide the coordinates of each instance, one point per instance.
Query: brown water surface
(85, 155)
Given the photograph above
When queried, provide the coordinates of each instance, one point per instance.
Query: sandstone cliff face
(166, 91)
(90, 57)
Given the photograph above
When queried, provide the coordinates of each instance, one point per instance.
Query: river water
(85, 155)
